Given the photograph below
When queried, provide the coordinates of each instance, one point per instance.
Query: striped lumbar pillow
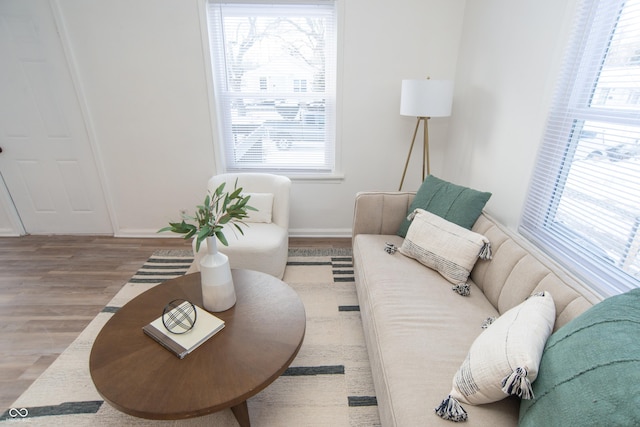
(444, 246)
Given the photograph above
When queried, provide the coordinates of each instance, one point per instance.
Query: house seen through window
(274, 71)
(583, 206)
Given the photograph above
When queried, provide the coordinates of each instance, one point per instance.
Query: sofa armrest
(380, 212)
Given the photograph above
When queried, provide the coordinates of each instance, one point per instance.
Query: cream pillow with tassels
(504, 359)
(445, 247)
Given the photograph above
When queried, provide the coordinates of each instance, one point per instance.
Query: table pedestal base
(241, 413)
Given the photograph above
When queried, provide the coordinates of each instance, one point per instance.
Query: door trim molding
(65, 42)
(12, 213)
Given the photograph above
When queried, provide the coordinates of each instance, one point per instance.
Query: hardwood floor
(51, 287)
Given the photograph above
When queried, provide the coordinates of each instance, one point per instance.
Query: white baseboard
(296, 232)
(144, 233)
(320, 233)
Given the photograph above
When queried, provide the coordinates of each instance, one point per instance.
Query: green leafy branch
(219, 208)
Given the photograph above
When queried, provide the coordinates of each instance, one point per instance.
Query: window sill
(332, 178)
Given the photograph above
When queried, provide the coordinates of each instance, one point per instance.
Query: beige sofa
(418, 331)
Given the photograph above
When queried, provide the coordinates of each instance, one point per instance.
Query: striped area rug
(328, 384)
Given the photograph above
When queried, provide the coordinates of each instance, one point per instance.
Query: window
(299, 85)
(274, 71)
(583, 206)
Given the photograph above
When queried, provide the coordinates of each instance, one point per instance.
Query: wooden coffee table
(262, 336)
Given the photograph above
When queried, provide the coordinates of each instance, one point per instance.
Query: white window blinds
(274, 67)
(583, 205)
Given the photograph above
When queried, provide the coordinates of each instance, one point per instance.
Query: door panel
(46, 162)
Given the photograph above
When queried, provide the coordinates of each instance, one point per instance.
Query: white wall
(141, 70)
(383, 42)
(509, 57)
(142, 74)
(141, 67)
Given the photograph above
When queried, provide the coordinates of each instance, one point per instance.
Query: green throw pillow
(457, 204)
(590, 369)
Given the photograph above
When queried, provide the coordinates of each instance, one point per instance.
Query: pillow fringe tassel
(485, 251)
(462, 288)
(487, 322)
(536, 294)
(518, 384)
(450, 409)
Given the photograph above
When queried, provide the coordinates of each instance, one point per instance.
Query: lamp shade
(426, 98)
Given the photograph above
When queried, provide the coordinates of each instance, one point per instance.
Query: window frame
(217, 119)
(574, 101)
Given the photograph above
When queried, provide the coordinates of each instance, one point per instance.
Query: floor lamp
(424, 99)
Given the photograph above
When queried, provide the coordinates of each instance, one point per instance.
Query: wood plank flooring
(51, 287)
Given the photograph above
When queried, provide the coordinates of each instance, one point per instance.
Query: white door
(46, 161)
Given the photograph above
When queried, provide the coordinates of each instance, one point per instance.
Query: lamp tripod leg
(415, 132)
(425, 147)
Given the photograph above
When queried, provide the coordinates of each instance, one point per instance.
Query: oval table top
(262, 335)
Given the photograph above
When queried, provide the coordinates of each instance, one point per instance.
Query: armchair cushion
(263, 202)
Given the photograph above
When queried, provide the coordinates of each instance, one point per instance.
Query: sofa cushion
(408, 328)
(504, 359)
(455, 203)
(515, 272)
(590, 369)
(444, 246)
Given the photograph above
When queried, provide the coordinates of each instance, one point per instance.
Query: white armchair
(265, 244)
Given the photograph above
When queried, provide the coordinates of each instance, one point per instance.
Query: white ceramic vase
(218, 293)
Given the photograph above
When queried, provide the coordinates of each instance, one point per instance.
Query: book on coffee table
(205, 326)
